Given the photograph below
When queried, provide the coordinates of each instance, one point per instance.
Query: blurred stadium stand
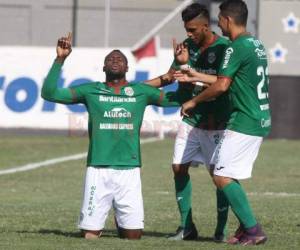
(40, 22)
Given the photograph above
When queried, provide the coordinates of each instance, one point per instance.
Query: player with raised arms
(116, 110)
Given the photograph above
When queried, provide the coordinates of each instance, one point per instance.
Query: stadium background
(30, 30)
(41, 171)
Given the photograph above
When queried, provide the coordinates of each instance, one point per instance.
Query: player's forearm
(50, 91)
(162, 80)
(155, 82)
(213, 91)
(201, 77)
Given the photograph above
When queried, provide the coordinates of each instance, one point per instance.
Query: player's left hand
(185, 75)
(187, 107)
(181, 53)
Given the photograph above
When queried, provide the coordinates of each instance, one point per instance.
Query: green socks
(222, 213)
(183, 189)
(239, 203)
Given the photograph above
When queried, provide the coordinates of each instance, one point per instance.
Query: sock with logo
(183, 189)
(239, 203)
(222, 213)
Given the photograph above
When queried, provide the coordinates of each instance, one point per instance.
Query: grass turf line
(39, 209)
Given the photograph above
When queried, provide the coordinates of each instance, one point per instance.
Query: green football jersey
(212, 114)
(245, 62)
(115, 117)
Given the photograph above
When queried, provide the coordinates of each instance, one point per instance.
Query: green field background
(39, 208)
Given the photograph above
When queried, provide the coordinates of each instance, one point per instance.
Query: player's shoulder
(137, 85)
(246, 40)
(141, 87)
(222, 40)
(86, 85)
(219, 45)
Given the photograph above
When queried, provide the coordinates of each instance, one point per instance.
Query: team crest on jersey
(193, 55)
(128, 91)
(211, 57)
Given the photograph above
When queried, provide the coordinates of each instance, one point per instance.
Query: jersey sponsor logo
(228, 53)
(129, 91)
(261, 53)
(103, 98)
(193, 55)
(117, 113)
(265, 123)
(255, 42)
(264, 107)
(211, 57)
(116, 126)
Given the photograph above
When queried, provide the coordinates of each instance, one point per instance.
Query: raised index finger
(69, 38)
(174, 44)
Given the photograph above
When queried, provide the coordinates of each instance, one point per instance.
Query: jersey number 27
(264, 80)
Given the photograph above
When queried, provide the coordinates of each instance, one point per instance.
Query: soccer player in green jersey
(199, 134)
(244, 73)
(116, 110)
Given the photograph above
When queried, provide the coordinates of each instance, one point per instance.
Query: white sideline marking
(54, 161)
(279, 194)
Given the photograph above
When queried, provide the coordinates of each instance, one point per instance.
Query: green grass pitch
(39, 208)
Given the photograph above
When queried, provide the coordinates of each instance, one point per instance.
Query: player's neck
(237, 32)
(210, 38)
(116, 82)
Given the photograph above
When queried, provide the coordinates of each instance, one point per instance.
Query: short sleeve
(232, 60)
(154, 95)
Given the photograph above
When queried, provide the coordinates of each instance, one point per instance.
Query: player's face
(196, 30)
(115, 64)
(223, 24)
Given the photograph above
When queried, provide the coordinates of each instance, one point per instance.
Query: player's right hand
(187, 107)
(64, 47)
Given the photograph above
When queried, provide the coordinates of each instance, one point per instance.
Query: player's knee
(221, 181)
(90, 235)
(130, 234)
(180, 169)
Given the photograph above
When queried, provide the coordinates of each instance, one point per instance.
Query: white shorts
(235, 155)
(195, 145)
(105, 188)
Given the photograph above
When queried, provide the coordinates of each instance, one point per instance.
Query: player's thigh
(97, 199)
(235, 155)
(128, 199)
(187, 145)
(209, 139)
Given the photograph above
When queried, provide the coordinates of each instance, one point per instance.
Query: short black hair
(119, 51)
(195, 10)
(236, 9)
